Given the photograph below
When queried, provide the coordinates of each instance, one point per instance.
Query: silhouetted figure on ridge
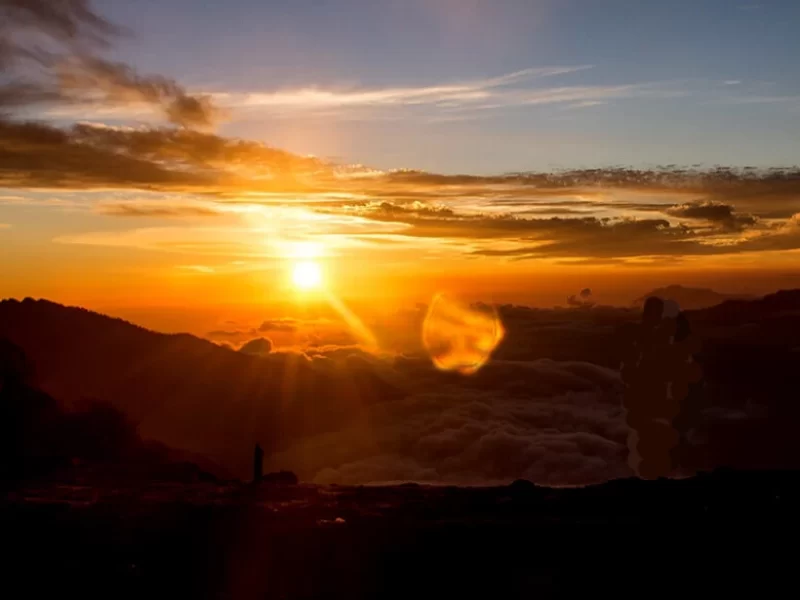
(657, 372)
(258, 463)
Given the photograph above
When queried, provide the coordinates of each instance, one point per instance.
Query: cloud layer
(609, 215)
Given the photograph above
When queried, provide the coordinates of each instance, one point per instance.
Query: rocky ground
(715, 533)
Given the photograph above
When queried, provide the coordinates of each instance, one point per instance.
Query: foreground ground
(713, 534)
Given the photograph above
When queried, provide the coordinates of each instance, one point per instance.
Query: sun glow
(307, 275)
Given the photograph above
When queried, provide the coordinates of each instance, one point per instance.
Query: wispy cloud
(440, 102)
(34, 200)
(619, 214)
(586, 104)
(197, 268)
(777, 99)
(160, 209)
(313, 98)
(583, 94)
(4, 226)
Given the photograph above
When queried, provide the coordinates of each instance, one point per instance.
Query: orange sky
(157, 250)
(144, 216)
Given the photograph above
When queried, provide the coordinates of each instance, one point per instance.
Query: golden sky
(164, 213)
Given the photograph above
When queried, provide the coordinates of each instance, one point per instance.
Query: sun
(307, 275)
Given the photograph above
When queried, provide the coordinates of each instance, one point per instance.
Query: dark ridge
(185, 391)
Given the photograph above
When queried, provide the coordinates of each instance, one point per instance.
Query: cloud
(72, 21)
(4, 225)
(71, 72)
(96, 81)
(761, 99)
(715, 212)
(224, 335)
(198, 268)
(445, 101)
(320, 339)
(549, 421)
(451, 95)
(510, 218)
(560, 421)
(475, 431)
(711, 211)
(284, 325)
(315, 337)
(582, 300)
(501, 215)
(156, 209)
(347, 416)
(726, 211)
(258, 346)
(586, 104)
(39, 155)
(38, 200)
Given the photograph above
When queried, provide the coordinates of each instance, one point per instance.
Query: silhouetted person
(657, 371)
(258, 463)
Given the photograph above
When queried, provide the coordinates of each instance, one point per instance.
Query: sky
(598, 82)
(166, 158)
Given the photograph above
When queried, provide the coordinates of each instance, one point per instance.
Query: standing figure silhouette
(258, 463)
(657, 370)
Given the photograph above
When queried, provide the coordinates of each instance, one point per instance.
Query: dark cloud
(591, 181)
(389, 209)
(222, 334)
(468, 435)
(710, 211)
(83, 156)
(553, 421)
(766, 193)
(621, 238)
(284, 325)
(258, 346)
(560, 421)
(715, 212)
(70, 71)
(38, 155)
(81, 81)
(68, 20)
(196, 150)
(582, 299)
(550, 421)
(596, 237)
(331, 337)
(136, 209)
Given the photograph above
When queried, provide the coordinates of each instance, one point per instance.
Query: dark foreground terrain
(714, 534)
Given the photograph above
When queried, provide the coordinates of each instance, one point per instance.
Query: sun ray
(358, 327)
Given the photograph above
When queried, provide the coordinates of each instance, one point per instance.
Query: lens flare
(460, 337)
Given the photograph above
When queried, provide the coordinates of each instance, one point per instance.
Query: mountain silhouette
(196, 396)
(92, 440)
(185, 391)
(689, 298)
